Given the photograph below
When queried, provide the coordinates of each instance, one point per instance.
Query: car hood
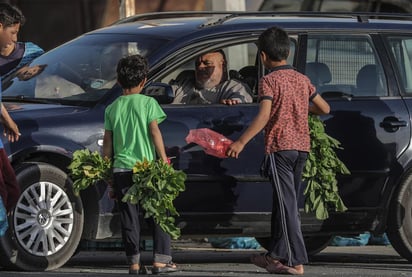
(32, 111)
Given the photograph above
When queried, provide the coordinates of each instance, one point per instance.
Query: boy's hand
(11, 131)
(234, 149)
(169, 160)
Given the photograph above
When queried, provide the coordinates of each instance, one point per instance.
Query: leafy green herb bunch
(321, 169)
(87, 168)
(156, 185)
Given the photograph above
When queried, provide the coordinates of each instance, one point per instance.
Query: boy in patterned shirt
(286, 97)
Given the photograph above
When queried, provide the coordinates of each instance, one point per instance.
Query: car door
(220, 192)
(367, 115)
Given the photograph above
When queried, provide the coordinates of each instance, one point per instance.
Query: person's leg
(8, 182)
(129, 217)
(287, 240)
(161, 244)
(162, 256)
(3, 188)
(298, 171)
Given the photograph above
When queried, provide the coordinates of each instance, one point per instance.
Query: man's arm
(236, 92)
(183, 87)
(158, 140)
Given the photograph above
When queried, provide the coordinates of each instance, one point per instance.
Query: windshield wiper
(26, 99)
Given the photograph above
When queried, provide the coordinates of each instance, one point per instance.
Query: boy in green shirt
(132, 134)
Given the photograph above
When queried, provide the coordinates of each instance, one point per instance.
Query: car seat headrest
(318, 73)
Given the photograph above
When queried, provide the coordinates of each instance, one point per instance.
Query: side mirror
(163, 93)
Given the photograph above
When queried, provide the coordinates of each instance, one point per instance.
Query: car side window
(401, 48)
(240, 66)
(241, 62)
(340, 65)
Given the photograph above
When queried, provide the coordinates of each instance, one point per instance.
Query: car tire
(46, 225)
(313, 244)
(399, 222)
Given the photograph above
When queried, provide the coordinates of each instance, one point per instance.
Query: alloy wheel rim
(43, 219)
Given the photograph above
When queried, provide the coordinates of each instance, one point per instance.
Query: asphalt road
(202, 260)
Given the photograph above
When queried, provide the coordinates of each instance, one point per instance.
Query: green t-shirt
(128, 117)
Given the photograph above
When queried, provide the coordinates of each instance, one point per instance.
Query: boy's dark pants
(285, 172)
(129, 216)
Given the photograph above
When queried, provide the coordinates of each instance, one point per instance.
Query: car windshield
(81, 71)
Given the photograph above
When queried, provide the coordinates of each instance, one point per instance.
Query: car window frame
(376, 41)
(397, 88)
(190, 52)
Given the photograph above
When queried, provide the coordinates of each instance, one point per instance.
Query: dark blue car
(362, 66)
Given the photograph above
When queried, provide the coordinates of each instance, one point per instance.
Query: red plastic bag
(213, 143)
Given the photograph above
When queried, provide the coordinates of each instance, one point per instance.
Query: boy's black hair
(275, 43)
(131, 71)
(10, 15)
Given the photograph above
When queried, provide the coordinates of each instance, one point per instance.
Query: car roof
(174, 25)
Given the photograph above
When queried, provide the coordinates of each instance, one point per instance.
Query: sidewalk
(369, 250)
(345, 253)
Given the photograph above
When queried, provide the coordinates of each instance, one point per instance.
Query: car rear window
(345, 64)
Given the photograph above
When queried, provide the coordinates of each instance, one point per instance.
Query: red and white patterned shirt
(290, 91)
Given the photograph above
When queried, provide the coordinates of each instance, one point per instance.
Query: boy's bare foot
(263, 260)
(280, 268)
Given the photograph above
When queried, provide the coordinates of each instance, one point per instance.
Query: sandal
(280, 268)
(167, 268)
(263, 260)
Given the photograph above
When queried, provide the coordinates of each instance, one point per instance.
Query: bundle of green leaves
(87, 168)
(155, 186)
(321, 169)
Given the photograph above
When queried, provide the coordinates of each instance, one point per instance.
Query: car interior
(326, 66)
(333, 76)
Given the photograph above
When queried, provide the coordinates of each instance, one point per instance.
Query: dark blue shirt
(8, 63)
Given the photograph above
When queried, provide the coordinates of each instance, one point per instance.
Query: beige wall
(52, 22)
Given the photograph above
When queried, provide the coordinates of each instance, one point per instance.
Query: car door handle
(401, 123)
(392, 123)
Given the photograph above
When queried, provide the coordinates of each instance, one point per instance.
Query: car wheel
(313, 244)
(399, 226)
(46, 225)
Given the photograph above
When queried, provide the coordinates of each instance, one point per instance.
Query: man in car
(211, 83)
